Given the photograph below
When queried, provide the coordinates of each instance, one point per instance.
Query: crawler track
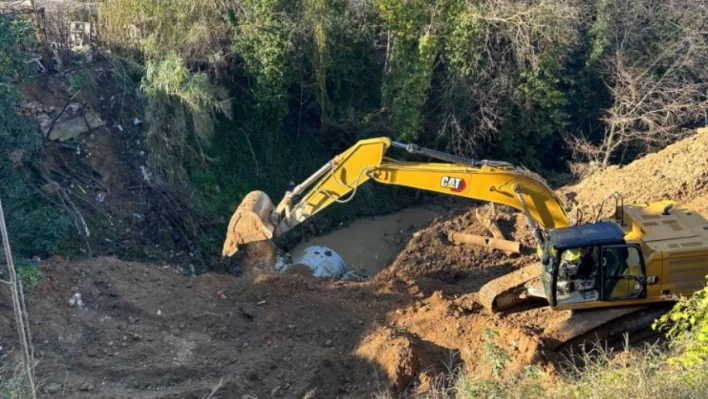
(574, 328)
(602, 324)
(509, 290)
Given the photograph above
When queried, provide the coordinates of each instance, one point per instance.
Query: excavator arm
(337, 182)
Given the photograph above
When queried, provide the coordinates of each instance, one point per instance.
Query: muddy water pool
(370, 244)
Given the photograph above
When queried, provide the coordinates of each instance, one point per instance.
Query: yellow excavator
(647, 253)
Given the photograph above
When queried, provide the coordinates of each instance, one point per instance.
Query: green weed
(30, 275)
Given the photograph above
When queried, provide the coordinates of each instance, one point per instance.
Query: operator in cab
(586, 264)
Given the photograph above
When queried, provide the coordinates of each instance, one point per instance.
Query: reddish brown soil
(430, 255)
(679, 172)
(148, 331)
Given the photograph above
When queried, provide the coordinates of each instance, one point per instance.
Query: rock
(75, 126)
(52, 388)
(76, 301)
(94, 121)
(328, 343)
(86, 387)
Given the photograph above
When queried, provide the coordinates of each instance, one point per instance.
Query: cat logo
(455, 184)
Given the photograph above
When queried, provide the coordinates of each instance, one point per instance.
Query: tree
(37, 227)
(505, 71)
(652, 55)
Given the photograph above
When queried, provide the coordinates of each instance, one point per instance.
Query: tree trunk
(609, 146)
(509, 247)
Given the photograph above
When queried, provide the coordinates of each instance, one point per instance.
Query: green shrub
(687, 328)
(29, 275)
(35, 226)
(181, 110)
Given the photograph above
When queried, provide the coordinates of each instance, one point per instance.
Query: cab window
(623, 273)
(578, 275)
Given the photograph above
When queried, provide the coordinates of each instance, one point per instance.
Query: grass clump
(646, 373)
(13, 384)
(30, 275)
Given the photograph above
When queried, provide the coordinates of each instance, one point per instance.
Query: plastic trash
(76, 301)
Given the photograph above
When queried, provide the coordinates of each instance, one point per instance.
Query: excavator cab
(591, 263)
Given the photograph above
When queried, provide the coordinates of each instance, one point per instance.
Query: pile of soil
(431, 256)
(679, 172)
(150, 332)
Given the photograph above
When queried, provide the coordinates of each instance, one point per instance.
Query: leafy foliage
(195, 30)
(35, 226)
(30, 275)
(497, 357)
(687, 328)
(502, 77)
(262, 39)
(181, 109)
(173, 39)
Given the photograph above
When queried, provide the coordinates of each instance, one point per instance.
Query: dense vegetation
(36, 224)
(246, 94)
(290, 83)
(509, 79)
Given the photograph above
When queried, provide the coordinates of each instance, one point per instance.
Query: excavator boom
(257, 218)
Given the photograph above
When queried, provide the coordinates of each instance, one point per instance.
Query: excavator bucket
(251, 222)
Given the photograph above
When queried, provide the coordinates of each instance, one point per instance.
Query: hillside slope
(679, 172)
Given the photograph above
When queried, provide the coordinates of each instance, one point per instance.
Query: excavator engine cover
(251, 222)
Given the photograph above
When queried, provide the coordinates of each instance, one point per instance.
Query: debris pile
(61, 124)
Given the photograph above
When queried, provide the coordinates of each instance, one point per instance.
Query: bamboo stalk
(18, 307)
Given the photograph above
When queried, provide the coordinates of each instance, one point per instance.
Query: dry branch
(489, 221)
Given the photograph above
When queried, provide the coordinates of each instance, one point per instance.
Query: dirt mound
(678, 172)
(150, 332)
(430, 255)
